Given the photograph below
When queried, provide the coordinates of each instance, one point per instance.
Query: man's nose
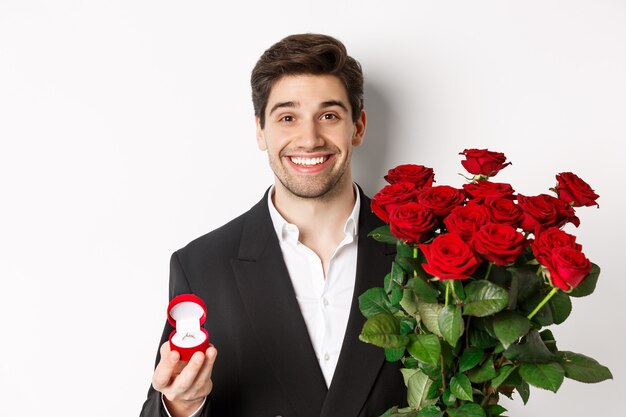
(310, 135)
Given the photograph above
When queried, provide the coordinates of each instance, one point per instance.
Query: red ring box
(187, 313)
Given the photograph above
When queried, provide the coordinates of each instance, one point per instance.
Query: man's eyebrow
(331, 103)
(283, 104)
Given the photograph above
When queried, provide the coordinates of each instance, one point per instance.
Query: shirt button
(326, 357)
(325, 302)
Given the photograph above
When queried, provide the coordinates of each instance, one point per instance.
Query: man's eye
(329, 116)
(286, 119)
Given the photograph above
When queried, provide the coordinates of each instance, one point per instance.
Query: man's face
(309, 134)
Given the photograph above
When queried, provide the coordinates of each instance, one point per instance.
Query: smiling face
(309, 134)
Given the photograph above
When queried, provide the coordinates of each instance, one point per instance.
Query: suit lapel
(359, 363)
(270, 302)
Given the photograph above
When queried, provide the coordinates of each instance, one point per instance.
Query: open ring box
(187, 313)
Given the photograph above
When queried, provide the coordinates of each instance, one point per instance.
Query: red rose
(548, 240)
(481, 190)
(568, 267)
(440, 199)
(483, 162)
(499, 243)
(545, 211)
(504, 211)
(572, 189)
(412, 223)
(466, 220)
(419, 175)
(390, 197)
(449, 257)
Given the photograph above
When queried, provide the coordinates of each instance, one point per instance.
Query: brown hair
(306, 54)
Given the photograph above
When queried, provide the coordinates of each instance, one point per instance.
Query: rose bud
(449, 257)
(483, 162)
(440, 199)
(466, 220)
(412, 223)
(568, 267)
(505, 211)
(545, 211)
(391, 196)
(573, 190)
(419, 175)
(481, 190)
(548, 240)
(499, 243)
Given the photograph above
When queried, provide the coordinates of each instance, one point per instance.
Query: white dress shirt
(324, 301)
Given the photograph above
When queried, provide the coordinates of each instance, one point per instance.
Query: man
(281, 281)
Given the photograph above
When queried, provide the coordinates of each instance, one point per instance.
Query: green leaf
(409, 302)
(470, 358)
(503, 374)
(448, 398)
(484, 298)
(523, 390)
(467, 410)
(560, 306)
(526, 281)
(548, 339)
(403, 250)
(461, 387)
(383, 330)
(397, 273)
(583, 368)
(425, 348)
(588, 285)
(532, 351)
(383, 234)
(394, 355)
(374, 301)
(396, 296)
(481, 339)
(430, 411)
(495, 410)
(485, 373)
(429, 313)
(509, 326)
(416, 390)
(407, 373)
(451, 323)
(457, 285)
(548, 376)
(425, 291)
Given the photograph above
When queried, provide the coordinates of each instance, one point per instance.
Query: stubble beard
(320, 187)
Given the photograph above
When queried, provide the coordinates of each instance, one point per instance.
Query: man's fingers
(166, 367)
(188, 375)
(207, 367)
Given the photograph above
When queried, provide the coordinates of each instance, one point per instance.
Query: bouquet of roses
(479, 273)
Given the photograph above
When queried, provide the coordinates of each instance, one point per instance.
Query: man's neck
(328, 212)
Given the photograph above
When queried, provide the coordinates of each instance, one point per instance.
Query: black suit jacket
(266, 365)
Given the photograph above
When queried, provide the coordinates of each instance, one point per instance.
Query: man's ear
(359, 129)
(260, 134)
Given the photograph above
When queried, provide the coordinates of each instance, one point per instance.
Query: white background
(126, 130)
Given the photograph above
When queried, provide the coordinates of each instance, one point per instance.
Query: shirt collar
(289, 232)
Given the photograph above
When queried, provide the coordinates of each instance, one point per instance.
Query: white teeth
(308, 161)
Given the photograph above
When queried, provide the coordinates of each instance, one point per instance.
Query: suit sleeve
(153, 406)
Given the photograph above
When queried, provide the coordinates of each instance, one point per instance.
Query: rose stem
(489, 270)
(542, 303)
(447, 291)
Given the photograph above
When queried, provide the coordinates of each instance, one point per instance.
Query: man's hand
(184, 384)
